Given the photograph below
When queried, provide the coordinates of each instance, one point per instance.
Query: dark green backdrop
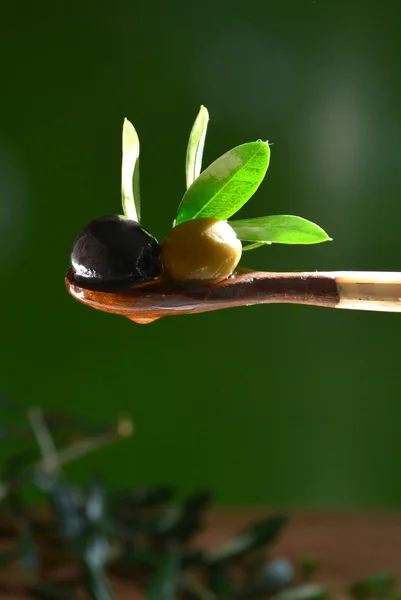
(279, 404)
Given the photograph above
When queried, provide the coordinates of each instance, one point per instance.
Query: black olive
(114, 252)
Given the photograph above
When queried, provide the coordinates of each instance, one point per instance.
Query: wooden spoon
(376, 291)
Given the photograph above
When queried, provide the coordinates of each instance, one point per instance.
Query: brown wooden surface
(349, 545)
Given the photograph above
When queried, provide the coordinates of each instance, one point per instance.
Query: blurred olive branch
(83, 534)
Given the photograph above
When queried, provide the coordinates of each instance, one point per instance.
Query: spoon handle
(355, 290)
(364, 290)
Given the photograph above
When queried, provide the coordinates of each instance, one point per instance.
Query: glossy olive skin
(201, 252)
(113, 253)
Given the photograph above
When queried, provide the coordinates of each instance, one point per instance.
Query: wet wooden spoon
(376, 291)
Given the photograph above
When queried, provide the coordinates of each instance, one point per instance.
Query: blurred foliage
(81, 539)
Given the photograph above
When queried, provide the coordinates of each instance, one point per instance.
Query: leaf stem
(255, 245)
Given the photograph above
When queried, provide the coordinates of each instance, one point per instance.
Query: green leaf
(308, 565)
(181, 522)
(220, 583)
(194, 590)
(96, 583)
(28, 554)
(130, 173)
(67, 502)
(95, 505)
(95, 550)
(279, 229)
(145, 497)
(49, 592)
(140, 556)
(378, 585)
(195, 147)
(227, 184)
(275, 577)
(163, 585)
(305, 592)
(257, 536)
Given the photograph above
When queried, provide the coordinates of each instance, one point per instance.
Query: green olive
(201, 251)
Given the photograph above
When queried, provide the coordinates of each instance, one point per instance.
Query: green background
(269, 405)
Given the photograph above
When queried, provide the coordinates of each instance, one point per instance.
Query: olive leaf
(130, 173)
(50, 592)
(220, 582)
(377, 585)
(96, 583)
(273, 578)
(227, 184)
(310, 591)
(163, 585)
(308, 565)
(195, 147)
(278, 229)
(256, 536)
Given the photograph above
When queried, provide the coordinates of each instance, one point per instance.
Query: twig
(123, 429)
(50, 459)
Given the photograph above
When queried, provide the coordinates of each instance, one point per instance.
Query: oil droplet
(143, 320)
